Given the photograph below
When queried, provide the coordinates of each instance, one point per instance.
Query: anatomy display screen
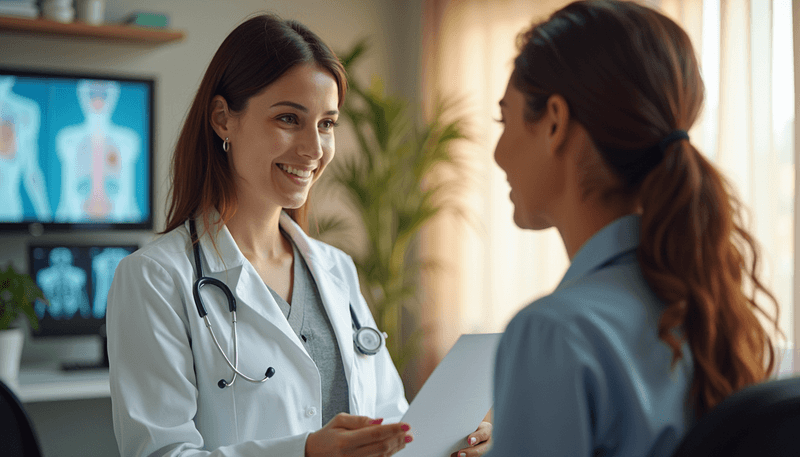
(75, 280)
(75, 150)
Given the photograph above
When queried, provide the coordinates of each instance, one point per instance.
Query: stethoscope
(367, 340)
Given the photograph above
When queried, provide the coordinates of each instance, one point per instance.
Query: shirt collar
(228, 256)
(616, 238)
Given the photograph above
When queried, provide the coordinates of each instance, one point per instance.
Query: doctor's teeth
(295, 171)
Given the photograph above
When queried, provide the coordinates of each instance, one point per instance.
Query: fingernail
(463, 454)
(408, 438)
(472, 441)
(376, 421)
(405, 427)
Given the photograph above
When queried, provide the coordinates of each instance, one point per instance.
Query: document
(454, 399)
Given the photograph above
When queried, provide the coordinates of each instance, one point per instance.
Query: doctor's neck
(258, 231)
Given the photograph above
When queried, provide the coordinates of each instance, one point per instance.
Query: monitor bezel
(36, 227)
(37, 333)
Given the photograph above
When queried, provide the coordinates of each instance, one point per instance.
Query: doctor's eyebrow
(302, 108)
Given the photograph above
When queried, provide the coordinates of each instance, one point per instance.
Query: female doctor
(191, 376)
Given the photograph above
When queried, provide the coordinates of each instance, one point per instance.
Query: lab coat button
(310, 412)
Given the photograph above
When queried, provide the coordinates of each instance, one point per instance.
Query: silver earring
(226, 145)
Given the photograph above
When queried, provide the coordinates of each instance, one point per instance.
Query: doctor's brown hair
(253, 56)
(630, 78)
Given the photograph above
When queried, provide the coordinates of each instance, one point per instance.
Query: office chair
(760, 420)
(17, 437)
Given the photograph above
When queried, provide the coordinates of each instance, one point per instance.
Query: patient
(650, 327)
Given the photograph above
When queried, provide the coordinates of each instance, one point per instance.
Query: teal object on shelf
(146, 19)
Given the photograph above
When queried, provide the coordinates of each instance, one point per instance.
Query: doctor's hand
(478, 442)
(357, 436)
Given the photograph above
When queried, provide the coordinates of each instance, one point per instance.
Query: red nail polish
(376, 421)
(409, 438)
(405, 427)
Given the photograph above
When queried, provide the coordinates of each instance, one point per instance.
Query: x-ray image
(104, 265)
(19, 155)
(97, 158)
(75, 280)
(64, 286)
(74, 150)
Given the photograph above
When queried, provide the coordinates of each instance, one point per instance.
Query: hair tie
(676, 135)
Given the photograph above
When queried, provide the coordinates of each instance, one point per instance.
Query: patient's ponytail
(631, 79)
(696, 256)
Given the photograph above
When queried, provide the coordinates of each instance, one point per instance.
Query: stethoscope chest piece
(368, 340)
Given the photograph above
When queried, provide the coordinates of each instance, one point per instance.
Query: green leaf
(359, 49)
(18, 292)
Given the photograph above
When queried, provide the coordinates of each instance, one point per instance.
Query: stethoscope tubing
(202, 281)
(201, 310)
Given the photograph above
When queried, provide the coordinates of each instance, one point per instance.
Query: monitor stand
(89, 365)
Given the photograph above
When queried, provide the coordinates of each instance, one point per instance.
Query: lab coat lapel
(335, 293)
(228, 264)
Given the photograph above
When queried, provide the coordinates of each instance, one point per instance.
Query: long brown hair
(630, 78)
(254, 55)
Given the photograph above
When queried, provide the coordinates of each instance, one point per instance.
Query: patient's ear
(556, 117)
(221, 117)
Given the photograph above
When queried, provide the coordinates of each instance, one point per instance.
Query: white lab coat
(165, 368)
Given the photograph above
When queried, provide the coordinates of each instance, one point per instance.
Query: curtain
(489, 268)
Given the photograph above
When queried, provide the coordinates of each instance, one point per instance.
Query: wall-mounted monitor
(76, 151)
(75, 280)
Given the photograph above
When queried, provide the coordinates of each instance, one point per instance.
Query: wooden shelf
(110, 32)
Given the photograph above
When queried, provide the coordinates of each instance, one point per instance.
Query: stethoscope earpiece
(268, 374)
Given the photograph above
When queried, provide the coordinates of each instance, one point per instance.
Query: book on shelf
(19, 8)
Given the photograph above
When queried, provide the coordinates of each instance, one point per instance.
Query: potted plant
(387, 185)
(18, 293)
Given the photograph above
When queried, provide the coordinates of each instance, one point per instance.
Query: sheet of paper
(454, 399)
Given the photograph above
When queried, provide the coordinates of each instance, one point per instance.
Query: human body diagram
(19, 155)
(64, 285)
(98, 160)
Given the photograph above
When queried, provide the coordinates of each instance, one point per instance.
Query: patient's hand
(479, 442)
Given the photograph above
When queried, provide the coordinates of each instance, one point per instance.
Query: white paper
(454, 399)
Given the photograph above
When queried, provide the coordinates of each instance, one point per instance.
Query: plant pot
(10, 354)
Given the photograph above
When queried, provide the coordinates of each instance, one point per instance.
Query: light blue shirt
(582, 371)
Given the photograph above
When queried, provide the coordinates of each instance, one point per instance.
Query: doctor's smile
(304, 174)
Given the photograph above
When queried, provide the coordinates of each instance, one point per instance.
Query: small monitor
(75, 280)
(75, 151)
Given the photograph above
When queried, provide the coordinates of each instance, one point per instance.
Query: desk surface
(50, 383)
